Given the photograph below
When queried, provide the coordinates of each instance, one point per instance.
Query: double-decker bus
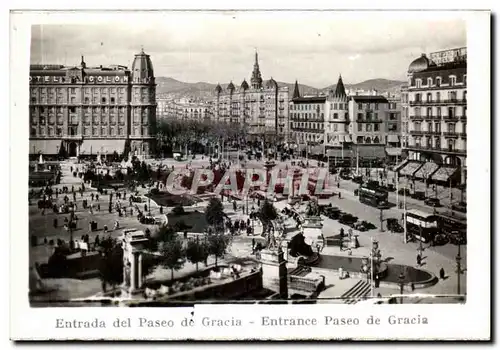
(455, 228)
(373, 196)
(421, 225)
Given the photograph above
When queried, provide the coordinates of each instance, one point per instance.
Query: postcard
(250, 175)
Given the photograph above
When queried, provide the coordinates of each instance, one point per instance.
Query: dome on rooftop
(420, 64)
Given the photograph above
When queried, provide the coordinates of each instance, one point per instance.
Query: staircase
(357, 293)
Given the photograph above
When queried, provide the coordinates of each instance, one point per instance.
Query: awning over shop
(44, 146)
(106, 146)
(444, 173)
(372, 151)
(410, 168)
(393, 151)
(318, 149)
(426, 170)
(392, 138)
(336, 152)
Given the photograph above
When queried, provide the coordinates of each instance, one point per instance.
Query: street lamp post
(459, 271)
(381, 219)
(401, 286)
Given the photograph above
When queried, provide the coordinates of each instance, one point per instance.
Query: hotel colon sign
(87, 111)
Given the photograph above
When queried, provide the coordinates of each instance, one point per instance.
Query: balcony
(416, 117)
(368, 120)
(417, 132)
(455, 101)
(452, 134)
(463, 135)
(450, 117)
(431, 132)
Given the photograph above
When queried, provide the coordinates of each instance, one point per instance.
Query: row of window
(307, 107)
(317, 126)
(87, 91)
(435, 142)
(87, 131)
(452, 96)
(438, 81)
(452, 111)
(436, 127)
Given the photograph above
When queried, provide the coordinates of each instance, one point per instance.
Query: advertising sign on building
(448, 56)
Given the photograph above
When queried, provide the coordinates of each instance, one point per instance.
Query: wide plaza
(392, 246)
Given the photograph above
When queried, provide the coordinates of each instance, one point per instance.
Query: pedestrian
(105, 228)
(338, 184)
(55, 222)
(441, 273)
(92, 196)
(340, 195)
(98, 207)
(97, 197)
(419, 259)
(341, 232)
(96, 242)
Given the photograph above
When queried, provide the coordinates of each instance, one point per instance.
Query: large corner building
(86, 111)
(437, 95)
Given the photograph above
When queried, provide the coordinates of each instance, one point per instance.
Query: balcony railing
(450, 134)
(368, 120)
(463, 135)
(417, 132)
(436, 149)
(450, 117)
(439, 102)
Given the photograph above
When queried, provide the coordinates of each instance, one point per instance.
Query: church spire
(296, 92)
(256, 79)
(82, 63)
(340, 89)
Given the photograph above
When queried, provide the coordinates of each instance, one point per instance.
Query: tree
(197, 251)
(215, 213)
(172, 255)
(217, 246)
(111, 267)
(165, 234)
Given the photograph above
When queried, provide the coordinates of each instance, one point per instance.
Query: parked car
(394, 226)
(403, 190)
(348, 219)
(458, 238)
(420, 195)
(461, 207)
(432, 202)
(391, 188)
(440, 239)
(332, 213)
(357, 179)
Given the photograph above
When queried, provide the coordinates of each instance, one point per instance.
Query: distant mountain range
(172, 88)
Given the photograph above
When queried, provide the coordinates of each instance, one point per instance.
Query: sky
(312, 47)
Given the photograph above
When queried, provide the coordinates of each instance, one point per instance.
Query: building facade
(186, 110)
(405, 120)
(338, 124)
(437, 93)
(87, 111)
(260, 108)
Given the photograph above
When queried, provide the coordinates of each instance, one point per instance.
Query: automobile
(394, 226)
(332, 213)
(345, 175)
(420, 195)
(348, 219)
(461, 207)
(440, 239)
(432, 202)
(391, 188)
(402, 191)
(357, 179)
(356, 192)
(458, 238)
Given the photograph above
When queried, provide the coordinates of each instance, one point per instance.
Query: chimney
(423, 55)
